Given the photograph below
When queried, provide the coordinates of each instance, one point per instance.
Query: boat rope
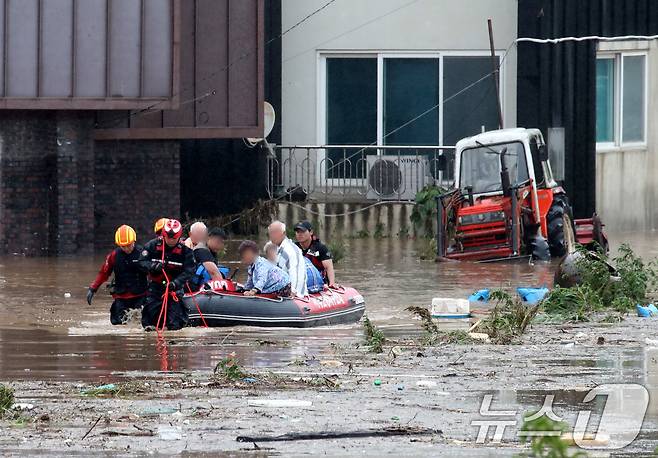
(162, 317)
(159, 327)
(351, 212)
(203, 320)
(234, 294)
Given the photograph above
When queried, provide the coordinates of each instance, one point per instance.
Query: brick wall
(28, 155)
(137, 182)
(62, 193)
(75, 182)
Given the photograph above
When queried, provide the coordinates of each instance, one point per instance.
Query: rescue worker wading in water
(170, 265)
(129, 285)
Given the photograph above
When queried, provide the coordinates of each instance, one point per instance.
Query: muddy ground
(53, 348)
(199, 414)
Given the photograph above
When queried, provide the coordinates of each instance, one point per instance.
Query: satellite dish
(270, 119)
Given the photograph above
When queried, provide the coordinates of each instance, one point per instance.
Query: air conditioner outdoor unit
(397, 177)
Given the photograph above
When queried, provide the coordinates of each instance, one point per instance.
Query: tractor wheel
(561, 234)
(599, 235)
(539, 248)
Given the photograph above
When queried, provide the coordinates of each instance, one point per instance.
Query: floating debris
(278, 403)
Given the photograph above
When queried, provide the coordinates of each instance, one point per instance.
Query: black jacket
(178, 265)
(129, 277)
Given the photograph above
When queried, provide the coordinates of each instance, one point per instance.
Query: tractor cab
(506, 202)
(489, 165)
(480, 161)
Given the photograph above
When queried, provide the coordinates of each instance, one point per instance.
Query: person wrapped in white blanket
(290, 258)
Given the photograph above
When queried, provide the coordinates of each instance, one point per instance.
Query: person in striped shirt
(263, 277)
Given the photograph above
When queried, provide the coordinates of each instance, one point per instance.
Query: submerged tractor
(506, 203)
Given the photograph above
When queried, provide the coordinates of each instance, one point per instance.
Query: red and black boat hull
(223, 308)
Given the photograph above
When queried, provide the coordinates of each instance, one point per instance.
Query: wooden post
(496, 73)
(440, 228)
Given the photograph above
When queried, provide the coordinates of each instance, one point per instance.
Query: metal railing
(360, 171)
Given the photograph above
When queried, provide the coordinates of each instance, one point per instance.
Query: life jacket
(128, 278)
(174, 258)
(314, 260)
(202, 276)
(314, 280)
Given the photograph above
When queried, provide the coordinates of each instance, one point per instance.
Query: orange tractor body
(506, 202)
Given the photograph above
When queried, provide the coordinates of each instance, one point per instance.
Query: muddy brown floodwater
(45, 334)
(51, 343)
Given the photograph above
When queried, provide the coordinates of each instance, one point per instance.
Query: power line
(458, 93)
(221, 70)
(469, 113)
(414, 119)
(505, 55)
(429, 110)
(347, 32)
(300, 22)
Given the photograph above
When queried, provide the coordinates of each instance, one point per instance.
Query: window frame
(645, 105)
(381, 87)
(321, 116)
(618, 142)
(380, 55)
(616, 95)
(495, 192)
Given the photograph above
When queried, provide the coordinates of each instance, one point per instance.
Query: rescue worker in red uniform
(129, 286)
(170, 265)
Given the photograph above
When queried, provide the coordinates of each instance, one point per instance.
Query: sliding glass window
(468, 110)
(402, 99)
(605, 100)
(351, 113)
(633, 99)
(411, 101)
(621, 99)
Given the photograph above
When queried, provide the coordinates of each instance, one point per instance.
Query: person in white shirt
(290, 258)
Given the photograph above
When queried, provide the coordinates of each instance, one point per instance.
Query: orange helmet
(159, 224)
(125, 235)
(173, 229)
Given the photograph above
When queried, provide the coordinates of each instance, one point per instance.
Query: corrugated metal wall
(221, 77)
(53, 52)
(214, 170)
(556, 83)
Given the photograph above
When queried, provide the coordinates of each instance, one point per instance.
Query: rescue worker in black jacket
(170, 265)
(129, 286)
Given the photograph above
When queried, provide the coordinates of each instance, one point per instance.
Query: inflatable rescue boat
(224, 305)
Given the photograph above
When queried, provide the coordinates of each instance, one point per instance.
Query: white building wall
(384, 25)
(626, 177)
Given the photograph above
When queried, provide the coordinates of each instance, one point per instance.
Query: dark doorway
(220, 177)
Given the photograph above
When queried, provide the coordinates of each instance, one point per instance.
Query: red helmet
(173, 229)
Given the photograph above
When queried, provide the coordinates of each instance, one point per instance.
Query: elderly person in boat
(290, 258)
(198, 234)
(271, 252)
(263, 276)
